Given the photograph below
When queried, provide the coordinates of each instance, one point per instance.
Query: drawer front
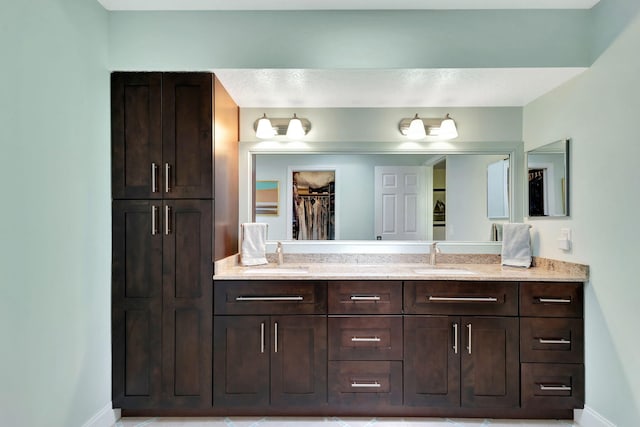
(461, 298)
(365, 384)
(269, 297)
(551, 299)
(365, 297)
(552, 386)
(365, 338)
(559, 340)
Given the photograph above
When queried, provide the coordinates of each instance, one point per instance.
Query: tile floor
(332, 422)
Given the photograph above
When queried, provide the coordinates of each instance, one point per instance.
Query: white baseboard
(106, 417)
(588, 417)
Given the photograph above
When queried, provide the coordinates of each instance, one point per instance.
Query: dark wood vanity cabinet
(365, 345)
(467, 361)
(552, 345)
(276, 360)
(161, 303)
(161, 125)
(171, 132)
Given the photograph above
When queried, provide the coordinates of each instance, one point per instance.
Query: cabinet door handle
(167, 180)
(553, 341)
(154, 178)
(365, 298)
(554, 300)
(463, 299)
(365, 339)
(167, 220)
(373, 384)
(154, 220)
(554, 387)
(262, 337)
(455, 338)
(267, 298)
(275, 334)
(469, 342)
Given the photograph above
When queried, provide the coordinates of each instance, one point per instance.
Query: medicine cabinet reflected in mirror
(456, 192)
(548, 180)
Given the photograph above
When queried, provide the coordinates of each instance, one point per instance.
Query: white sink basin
(276, 270)
(443, 271)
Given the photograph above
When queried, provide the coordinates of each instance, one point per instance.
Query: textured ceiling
(484, 87)
(342, 4)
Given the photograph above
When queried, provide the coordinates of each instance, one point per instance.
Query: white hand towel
(516, 245)
(254, 246)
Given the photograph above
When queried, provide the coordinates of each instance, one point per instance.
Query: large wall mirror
(548, 180)
(455, 191)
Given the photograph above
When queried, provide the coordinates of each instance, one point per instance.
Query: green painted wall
(55, 238)
(599, 111)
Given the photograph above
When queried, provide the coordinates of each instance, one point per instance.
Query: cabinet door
(136, 304)
(432, 361)
(490, 362)
(241, 361)
(299, 361)
(136, 135)
(187, 308)
(187, 143)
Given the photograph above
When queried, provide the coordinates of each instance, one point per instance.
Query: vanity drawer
(370, 384)
(461, 298)
(254, 297)
(559, 340)
(365, 297)
(365, 338)
(551, 299)
(552, 386)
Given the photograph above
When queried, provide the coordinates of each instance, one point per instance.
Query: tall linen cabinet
(174, 212)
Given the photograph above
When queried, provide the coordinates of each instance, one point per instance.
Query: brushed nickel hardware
(463, 299)
(262, 337)
(275, 340)
(548, 341)
(469, 345)
(154, 179)
(554, 387)
(167, 171)
(276, 298)
(365, 298)
(167, 220)
(374, 384)
(365, 339)
(555, 300)
(455, 338)
(154, 220)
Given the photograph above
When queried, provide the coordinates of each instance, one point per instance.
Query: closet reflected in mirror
(548, 180)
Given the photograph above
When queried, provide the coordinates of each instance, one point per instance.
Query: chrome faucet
(280, 253)
(433, 249)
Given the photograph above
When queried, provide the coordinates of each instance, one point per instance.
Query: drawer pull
(365, 298)
(262, 337)
(154, 174)
(547, 341)
(365, 339)
(281, 298)
(554, 387)
(463, 299)
(554, 300)
(374, 384)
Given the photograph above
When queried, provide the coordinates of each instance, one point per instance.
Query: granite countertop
(472, 268)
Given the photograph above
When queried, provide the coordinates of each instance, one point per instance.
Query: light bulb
(295, 129)
(416, 129)
(264, 130)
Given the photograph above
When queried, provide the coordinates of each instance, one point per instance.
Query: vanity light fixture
(264, 129)
(417, 128)
(293, 128)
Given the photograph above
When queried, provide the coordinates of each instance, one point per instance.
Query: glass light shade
(416, 129)
(264, 129)
(448, 129)
(295, 129)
